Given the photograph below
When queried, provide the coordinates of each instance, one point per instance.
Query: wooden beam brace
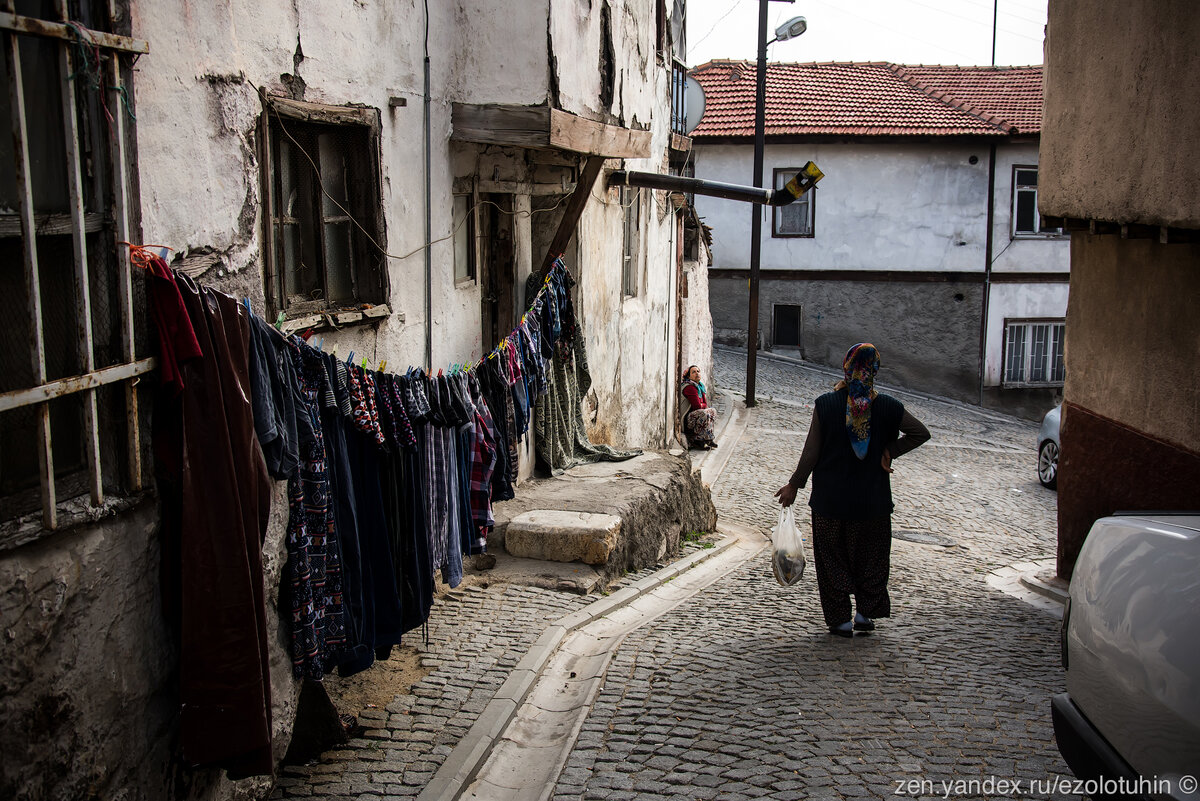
(575, 206)
(58, 30)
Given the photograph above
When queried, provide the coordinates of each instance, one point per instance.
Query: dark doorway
(788, 330)
(498, 264)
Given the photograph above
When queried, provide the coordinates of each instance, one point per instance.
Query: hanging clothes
(312, 588)
(212, 552)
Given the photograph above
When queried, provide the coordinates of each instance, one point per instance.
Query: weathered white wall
(879, 207)
(1017, 301)
(197, 137)
(1011, 254)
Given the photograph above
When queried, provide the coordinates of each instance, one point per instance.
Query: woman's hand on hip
(886, 461)
(786, 495)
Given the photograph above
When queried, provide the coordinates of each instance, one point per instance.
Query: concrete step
(614, 516)
(559, 536)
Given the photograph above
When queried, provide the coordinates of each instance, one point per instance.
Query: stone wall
(88, 681)
(927, 333)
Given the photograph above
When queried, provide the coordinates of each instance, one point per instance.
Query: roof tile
(871, 99)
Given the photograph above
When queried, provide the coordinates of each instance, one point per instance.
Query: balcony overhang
(546, 128)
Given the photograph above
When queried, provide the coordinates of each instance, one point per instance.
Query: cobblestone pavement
(477, 634)
(741, 693)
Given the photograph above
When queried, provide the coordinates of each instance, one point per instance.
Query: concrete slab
(657, 497)
(563, 536)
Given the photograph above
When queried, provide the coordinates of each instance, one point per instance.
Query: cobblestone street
(741, 693)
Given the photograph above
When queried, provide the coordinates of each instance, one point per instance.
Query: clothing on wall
(212, 552)
(390, 477)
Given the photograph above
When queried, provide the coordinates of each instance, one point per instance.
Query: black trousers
(853, 557)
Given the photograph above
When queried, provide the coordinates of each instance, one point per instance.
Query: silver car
(1047, 448)
(1130, 719)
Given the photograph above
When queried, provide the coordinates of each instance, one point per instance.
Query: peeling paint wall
(92, 685)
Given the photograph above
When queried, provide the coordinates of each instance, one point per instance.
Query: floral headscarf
(860, 366)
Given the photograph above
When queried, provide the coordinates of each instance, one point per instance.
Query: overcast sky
(901, 31)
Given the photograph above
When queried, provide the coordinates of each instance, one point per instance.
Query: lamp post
(788, 30)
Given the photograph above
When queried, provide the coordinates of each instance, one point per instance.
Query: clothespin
(321, 343)
(364, 363)
(247, 302)
(350, 358)
(383, 366)
(308, 332)
(279, 321)
(335, 347)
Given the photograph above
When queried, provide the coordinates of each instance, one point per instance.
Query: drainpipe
(428, 211)
(987, 269)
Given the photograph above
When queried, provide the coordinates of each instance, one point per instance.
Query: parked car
(1131, 650)
(1047, 448)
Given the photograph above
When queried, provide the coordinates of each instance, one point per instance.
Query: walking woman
(698, 416)
(854, 436)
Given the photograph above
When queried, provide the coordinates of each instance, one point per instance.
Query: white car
(1047, 448)
(1131, 650)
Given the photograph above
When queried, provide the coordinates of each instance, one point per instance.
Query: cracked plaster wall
(92, 689)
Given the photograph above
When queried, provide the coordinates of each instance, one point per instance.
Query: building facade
(384, 177)
(1121, 170)
(922, 237)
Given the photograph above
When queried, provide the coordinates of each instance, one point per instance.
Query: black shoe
(713, 444)
(843, 630)
(863, 623)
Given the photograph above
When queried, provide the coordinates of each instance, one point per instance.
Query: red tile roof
(871, 99)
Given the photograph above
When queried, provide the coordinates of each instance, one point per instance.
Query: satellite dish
(693, 104)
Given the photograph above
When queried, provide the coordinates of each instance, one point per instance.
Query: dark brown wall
(1131, 431)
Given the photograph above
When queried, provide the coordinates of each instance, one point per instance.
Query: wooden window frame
(787, 173)
(283, 117)
(631, 240)
(117, 54)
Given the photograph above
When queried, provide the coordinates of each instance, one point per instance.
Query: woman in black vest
(853, 438)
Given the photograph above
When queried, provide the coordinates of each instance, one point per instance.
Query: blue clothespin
(321, 343)
(350, 358)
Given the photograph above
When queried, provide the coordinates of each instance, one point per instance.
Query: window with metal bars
(325, 238)
(1033, 353)
(72, 324)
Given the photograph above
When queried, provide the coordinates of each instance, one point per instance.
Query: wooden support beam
(575, 206)
(541, 127)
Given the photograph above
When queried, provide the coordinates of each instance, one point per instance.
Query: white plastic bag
(787, 557)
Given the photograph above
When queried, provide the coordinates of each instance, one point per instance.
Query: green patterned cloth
(560, 436)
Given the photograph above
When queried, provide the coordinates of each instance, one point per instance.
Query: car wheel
(1048, 464)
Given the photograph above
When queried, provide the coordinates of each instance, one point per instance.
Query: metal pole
(995, 16)
(760, 111)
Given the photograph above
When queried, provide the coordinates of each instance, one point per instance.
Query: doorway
(498, 264)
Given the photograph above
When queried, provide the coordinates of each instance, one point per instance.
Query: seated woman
(698, 416)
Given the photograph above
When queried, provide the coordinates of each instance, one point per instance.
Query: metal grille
(69, 418)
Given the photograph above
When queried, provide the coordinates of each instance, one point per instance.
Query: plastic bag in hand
(787, 556)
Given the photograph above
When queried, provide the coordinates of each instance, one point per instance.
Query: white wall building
(893, 245)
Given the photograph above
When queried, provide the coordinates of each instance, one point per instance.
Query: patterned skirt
(699, 424)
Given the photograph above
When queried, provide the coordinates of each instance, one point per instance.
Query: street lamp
(788, 30)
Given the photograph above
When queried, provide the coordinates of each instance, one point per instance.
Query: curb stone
(468, 756)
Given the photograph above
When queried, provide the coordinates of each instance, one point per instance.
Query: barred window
(71, 316)
(1033, 352)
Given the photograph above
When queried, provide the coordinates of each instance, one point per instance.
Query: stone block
(559, 536)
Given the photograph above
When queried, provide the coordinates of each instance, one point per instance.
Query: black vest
(844, 486)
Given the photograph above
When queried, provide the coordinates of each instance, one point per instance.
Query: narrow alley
(739, 692)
